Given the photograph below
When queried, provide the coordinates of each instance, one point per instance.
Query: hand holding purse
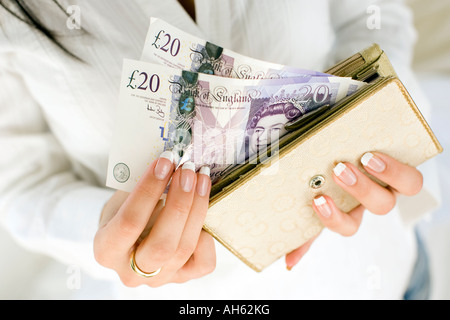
(262, 210)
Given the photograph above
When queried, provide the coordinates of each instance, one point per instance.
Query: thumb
(293, 257)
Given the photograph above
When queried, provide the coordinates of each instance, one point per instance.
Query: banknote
(168, 45)
(206, 119)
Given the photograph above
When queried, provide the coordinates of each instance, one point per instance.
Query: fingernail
(370, 161)
(164, 165)
(345, 174)
(187, 176)
(323, 207)
(203, 181)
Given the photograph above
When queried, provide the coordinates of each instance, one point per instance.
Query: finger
(405, 179)
(112, 207)
(202, 262)
(130, 221)
(195, 221)
(371, 195)
(162, 243)
(293, 257)
(159, 207)
(346, 224)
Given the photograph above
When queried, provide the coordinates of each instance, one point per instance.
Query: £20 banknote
(204, 118)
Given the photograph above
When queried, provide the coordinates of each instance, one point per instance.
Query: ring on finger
(138, 271)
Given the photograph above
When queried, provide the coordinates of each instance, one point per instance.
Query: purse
(262, 209)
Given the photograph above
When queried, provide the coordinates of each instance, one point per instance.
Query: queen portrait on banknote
(268, 124)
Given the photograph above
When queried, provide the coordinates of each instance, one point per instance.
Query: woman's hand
(399, 177)
(167, 236)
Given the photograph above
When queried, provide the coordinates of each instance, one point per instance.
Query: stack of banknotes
(210, 105)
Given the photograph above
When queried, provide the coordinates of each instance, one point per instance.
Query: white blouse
(57, 119)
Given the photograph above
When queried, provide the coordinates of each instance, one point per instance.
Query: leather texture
(268, 212)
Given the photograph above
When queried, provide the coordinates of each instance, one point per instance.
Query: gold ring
(138, 271)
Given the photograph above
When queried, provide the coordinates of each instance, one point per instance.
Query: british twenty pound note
(170, 46)
(208, 119)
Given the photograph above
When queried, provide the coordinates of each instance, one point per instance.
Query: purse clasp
(317, 182)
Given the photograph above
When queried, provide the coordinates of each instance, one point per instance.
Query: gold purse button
(317, 182)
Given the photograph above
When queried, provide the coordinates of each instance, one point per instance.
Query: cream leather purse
(261, 212)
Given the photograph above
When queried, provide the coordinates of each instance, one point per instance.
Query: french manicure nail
(372, 162)
(203, 181)
(345, 174)
(323, 207)
(187, 176)
(164, 165)
(205, 170)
